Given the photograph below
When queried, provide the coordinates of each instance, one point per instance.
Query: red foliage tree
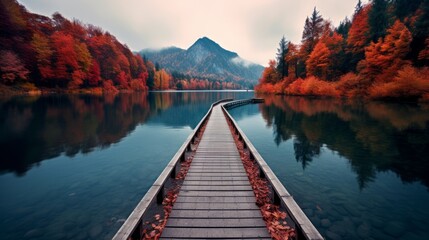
(44, 52)
(94, 74)
(358, 36)
(384, 58)
(318, 61)
(11, 68)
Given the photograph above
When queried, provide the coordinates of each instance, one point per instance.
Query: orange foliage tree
(384, 58)
(318, 61)
(358, 36)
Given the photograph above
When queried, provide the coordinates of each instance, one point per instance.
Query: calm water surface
(74, 167)
(358, 170)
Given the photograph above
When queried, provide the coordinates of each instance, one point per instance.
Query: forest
(382, 52)
(59, 55)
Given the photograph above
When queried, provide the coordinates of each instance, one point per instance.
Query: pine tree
(358, 7)
(313, 29)
(378, 20)
(282, 65)
(421, 33)
(405, 8)
(344, 27)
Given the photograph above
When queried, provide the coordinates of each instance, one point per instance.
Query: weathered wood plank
(217, 174)
(216, 183)
(216, 188)
(217, 223)
(217, 194)
(216, 178)
(220, 233)
(222, 214)
(206, 239)
(216, 199)
(215, 206)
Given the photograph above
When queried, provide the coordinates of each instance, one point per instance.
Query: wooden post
(160, 195)
(261, 173)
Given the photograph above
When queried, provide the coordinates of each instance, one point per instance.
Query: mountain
(206, 59)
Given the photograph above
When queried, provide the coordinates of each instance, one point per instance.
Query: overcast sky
(252, 28)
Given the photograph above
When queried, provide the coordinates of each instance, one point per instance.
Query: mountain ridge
(206, 59)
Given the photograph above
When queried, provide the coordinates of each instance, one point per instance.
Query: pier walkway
(216, 199)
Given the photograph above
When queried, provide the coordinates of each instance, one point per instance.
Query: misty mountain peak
(206, 59)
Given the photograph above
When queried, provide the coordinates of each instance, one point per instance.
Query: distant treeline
(382, 52)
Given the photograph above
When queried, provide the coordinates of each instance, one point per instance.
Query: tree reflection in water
(373, 136)
(33, 129)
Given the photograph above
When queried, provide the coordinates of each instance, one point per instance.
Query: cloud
(242, 62)
(252, 28)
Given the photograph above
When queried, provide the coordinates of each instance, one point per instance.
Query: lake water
(74, 167)
(358, 170)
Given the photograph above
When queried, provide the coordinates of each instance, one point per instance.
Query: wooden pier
(216, 200)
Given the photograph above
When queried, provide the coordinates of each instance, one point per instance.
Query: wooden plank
(216, 178)
(215, 188)
(212, 166)
(217, 223)
(206, 239)
(217, 194)
(222, 214)
(216, 199)
(216, 183)
(217, 174)
(219, 233)
(215, 206)
(219, 164)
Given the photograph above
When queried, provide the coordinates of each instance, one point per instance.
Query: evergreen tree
(405, 8)
(422, 23)
(358, 7)
(282, 65)
(378, 20)
(344, 27)
(421, 33)
(313, 29)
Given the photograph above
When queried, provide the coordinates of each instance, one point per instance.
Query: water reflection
(375, 137)
(33, 129)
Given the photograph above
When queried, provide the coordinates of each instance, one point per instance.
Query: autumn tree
(387, 56)
(42, 47)
(270, 74)
(292, 58)
(11, 68)
(318, 61)
(282, 65)
(424, 54)
(161, 80)
(94, 77)
(358, 36)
